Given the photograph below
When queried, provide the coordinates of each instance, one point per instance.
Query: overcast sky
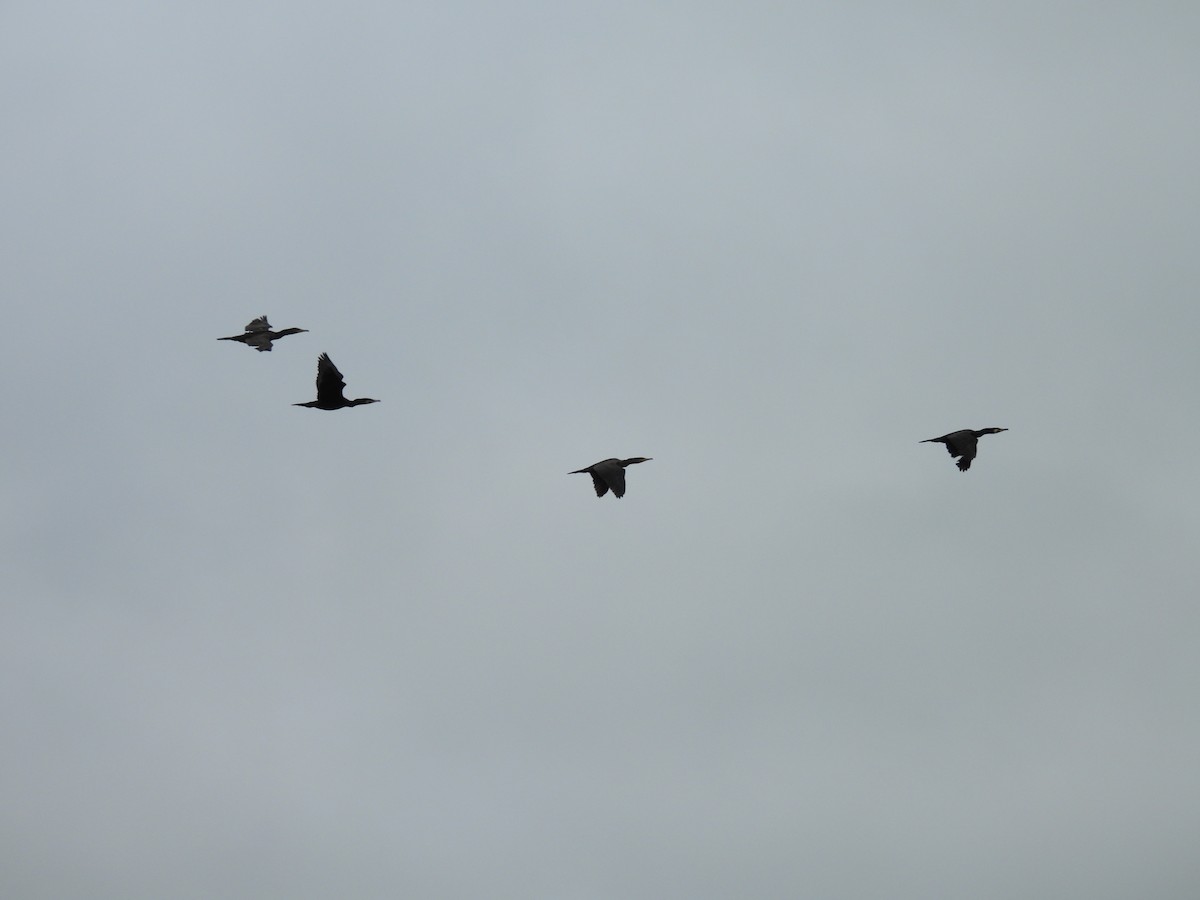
(254, 650)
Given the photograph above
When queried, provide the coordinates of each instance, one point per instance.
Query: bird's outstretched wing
(963, 445)
(329, 380)
(616, 481)
(600, 484)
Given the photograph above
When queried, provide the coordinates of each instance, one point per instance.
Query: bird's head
(992, 430)
(636, 459)
(362, 401)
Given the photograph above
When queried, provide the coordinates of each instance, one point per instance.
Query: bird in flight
(329, 388)
(259, 335)
(962, 444)
(609, 474)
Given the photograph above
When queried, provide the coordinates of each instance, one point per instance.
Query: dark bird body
(609, 474)
(259, 335)
(329, 388)
(962, 444)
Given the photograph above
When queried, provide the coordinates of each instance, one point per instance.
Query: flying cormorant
(259, 335)
(329, 388)
(609, 474)
(963, 444)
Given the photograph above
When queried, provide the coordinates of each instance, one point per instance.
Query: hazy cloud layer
(251, 650)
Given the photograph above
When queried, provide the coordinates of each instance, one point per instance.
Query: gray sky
(251, 650)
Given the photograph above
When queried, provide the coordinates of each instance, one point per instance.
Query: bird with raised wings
(259, 335)
(330, 385)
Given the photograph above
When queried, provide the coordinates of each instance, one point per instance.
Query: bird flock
(607, 475)
(330, 383)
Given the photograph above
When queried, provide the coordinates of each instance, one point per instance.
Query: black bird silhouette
(329, 388)
(259, 335)
(963, 444)
(609, 474)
